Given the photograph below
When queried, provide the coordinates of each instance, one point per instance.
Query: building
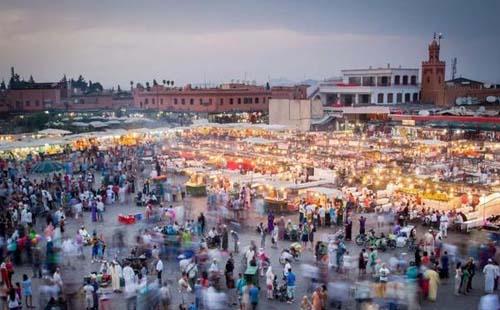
(231, 97)
(295, 113)
(435, 90)
(370, 86)
(30, 97)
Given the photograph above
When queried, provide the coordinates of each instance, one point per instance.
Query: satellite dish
(491, 99)
(460, 101)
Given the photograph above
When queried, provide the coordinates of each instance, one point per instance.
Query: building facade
(435, 90)
(371, 86)
(231, 97)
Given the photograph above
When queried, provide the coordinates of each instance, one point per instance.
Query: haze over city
(216, 41)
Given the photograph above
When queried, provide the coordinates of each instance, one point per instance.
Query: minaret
(433, 73)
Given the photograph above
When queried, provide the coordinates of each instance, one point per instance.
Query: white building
(370, 86)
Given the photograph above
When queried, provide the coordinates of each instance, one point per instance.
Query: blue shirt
(254, 295)
(290, 279)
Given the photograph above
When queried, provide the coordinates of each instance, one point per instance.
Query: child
(27, 291)
(88, 289)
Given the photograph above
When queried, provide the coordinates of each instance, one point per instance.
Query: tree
(268, 87)
(155, 83)
(118, 89)
(172, 83)
(2, 85)
(131, 85)
(164, 82)
(147, 86)
(31, 81)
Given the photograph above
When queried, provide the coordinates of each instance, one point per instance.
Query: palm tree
(172, 83)
(164, 82)
(147, 86)
(131, 85)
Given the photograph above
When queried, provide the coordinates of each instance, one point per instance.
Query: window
(239, 100)
(428, 80)
(247, 100)
(380, 98)
(413, 80)
(146, 101)
(399, 97)
(405, 79)
(27, 103)
(201, 101)
(397, 80)
(175, 100)
(221, 101)
(263, 100)
(191, 101)
(256, 100)
(415, 97)
(161, 101)
(183, 101)
(390, 98)
(231, 101)
(37, 103)
(407, 97)
(153, 101)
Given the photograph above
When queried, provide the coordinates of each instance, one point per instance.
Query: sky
(115, 42)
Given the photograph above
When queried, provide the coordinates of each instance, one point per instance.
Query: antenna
(440, 36)
(453, 68)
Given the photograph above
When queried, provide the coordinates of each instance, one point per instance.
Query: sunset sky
(192, 41)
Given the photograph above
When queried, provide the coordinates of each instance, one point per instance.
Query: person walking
(362, 262)
(290, 282)
(458, 278)
(27, 291)
(491, 272)
(433, 277)
(253, 293)
(159, 270)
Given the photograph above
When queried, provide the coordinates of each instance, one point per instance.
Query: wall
(294, 113)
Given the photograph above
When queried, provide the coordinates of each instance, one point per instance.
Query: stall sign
(408, 122)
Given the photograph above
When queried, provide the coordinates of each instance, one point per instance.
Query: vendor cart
(252, 275)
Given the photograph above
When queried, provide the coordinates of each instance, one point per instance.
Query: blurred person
(383, 278)
(270, 281)
(253, 293)
(27, 291)
(88, 290)
(458, 278)
(316, 299)
(491, 273)
(471, 268)
(305, 304)
(433, 277)
(290, 281)
(489, 302)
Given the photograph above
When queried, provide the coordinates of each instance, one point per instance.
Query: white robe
(129, 277)
(116, 274)
(490, 273)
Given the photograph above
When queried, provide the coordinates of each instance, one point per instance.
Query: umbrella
(47, 166)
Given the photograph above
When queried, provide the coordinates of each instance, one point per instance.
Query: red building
(437, 91)
(232, 97)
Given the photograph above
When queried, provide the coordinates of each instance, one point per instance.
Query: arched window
(405, 79)
(413, 80)
(397, 80)
(399, 97)
(415, 97)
